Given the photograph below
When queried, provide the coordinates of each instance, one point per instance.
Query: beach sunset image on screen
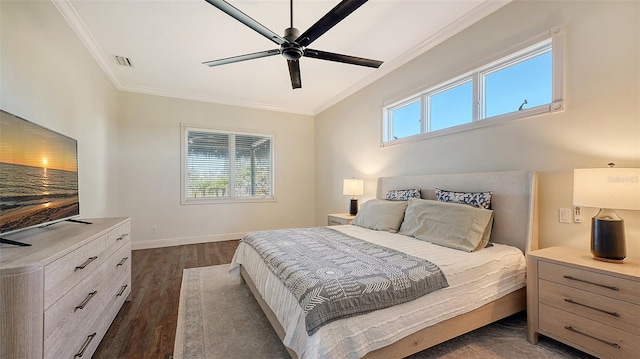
(38, 175)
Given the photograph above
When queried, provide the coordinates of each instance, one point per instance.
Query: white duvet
(475, 279)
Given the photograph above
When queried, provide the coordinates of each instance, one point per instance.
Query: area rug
(219, 318)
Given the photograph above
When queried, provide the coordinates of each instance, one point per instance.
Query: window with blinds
(220, 165)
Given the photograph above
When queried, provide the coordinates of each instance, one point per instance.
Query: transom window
(221, 165)
(525, 83)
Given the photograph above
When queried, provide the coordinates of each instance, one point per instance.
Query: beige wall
(150, 171)
(47, 76)
(600, 124)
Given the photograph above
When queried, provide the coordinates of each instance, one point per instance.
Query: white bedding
(475, 279)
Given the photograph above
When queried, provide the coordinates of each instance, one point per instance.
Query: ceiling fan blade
(329, 20)
(247, 20)
(323, 55)
(294, 72)
(229, 60)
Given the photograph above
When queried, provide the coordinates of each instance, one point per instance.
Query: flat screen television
(38, 175)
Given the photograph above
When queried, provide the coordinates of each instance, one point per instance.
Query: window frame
(184, 145)
(553, 41)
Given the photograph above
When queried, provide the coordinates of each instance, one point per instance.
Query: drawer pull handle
(85, 346)
(572, 329)
(586, 281)
(569, 300)
(122, 237)
(124, 287)
(86, 300)
(122, 261)
(86, 263)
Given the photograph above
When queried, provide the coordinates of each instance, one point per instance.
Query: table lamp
(353, 187)
(607, 189)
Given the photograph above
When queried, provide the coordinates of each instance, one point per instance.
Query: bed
(493, 275)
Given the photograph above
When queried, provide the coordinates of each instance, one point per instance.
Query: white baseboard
(170, 242)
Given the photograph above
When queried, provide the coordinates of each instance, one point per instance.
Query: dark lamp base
(607, 237)
(618, 261)
(353, 207)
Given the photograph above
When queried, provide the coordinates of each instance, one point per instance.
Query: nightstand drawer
(588, 334)
(340, 219)
(333, 222)
(618, 314)
(602, 284)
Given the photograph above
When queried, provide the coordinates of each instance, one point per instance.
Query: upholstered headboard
(514, 200)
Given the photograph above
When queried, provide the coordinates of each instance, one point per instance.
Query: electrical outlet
(577, 214)
(565, 215)
(154, 229)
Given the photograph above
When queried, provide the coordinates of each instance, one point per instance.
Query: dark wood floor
(145, 327)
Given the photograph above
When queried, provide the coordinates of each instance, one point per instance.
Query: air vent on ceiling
(124, 61)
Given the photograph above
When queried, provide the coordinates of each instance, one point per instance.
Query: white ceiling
(167, 41)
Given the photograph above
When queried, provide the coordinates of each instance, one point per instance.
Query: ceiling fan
(293, 46)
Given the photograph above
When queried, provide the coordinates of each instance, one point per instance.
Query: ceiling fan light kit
(293, 46)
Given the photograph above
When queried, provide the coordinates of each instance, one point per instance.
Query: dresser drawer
(64, 315)
(607, 285)
(118, 266)
(84, 342)
(117, 237)
(63, 274)
(582, 332)
(75, 316)
(618, 314)
(115, 298)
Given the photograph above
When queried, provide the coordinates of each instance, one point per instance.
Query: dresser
(591, 305)
(59, 296)
(340, 218)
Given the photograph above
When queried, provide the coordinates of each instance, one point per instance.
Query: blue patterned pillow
(403, 194)
(475, 199)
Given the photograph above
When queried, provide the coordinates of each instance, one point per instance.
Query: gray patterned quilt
(335, 276)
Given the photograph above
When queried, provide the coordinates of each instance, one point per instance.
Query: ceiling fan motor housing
(291, 50)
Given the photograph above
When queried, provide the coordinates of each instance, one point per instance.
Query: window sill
(228, 200)
(540, 110)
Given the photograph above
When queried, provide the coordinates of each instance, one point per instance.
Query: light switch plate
(565, 215)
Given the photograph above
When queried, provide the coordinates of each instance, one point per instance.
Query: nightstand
(590, 305)
(340, 218)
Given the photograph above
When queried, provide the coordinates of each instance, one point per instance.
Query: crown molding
(68, 12)
(211, 99)
(77, 25)
(479, 12)
(73, 19)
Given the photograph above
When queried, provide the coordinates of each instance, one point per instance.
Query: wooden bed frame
(514, 202)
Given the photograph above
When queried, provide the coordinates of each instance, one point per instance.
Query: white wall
(150, 171)
(47, 76)
(601, 122)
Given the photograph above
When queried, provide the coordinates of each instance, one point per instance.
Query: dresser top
(51, 242)
(629, 267)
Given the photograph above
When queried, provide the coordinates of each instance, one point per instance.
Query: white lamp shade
(353, 187)
(612, 188)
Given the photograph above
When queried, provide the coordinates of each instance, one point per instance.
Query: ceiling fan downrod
(291, 51)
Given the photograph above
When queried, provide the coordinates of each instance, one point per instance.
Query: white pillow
(381, 215)
(452, 225)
